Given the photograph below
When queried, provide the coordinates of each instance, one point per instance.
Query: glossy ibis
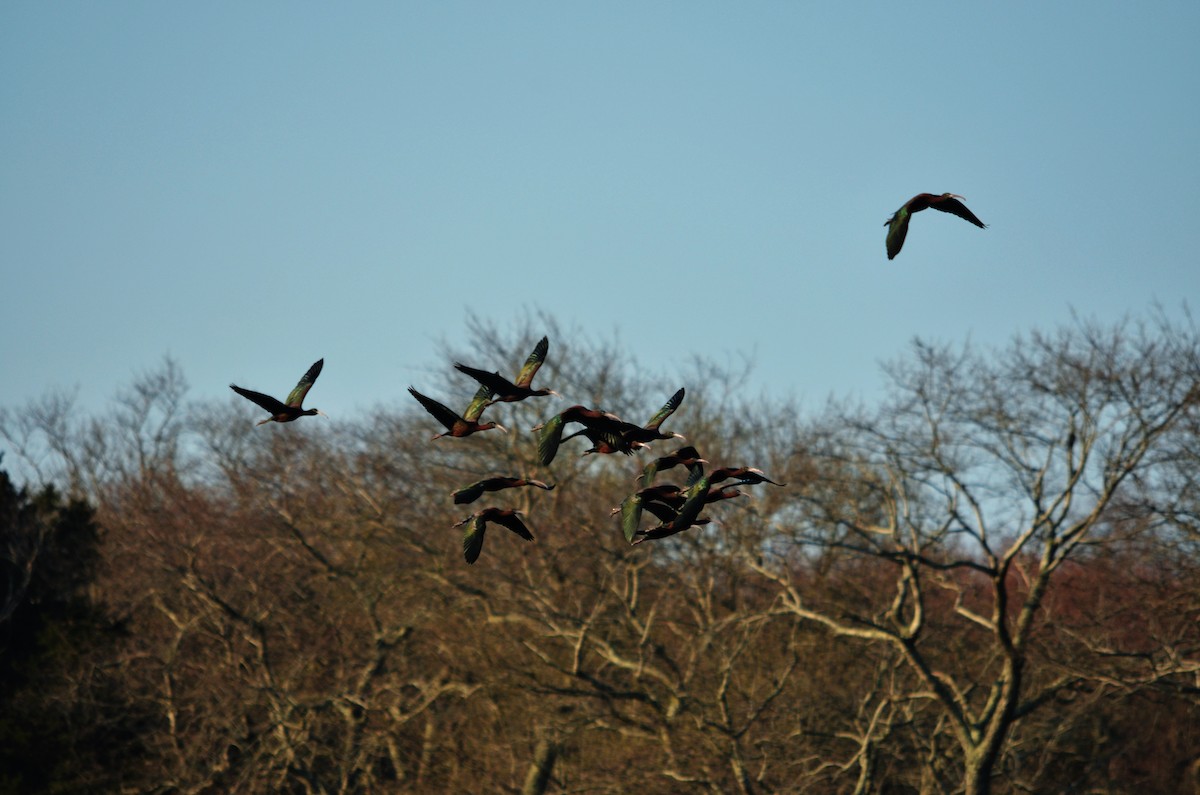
(607, 432)
(898, 223)
(653, 499)
(599, 423)
(505, 391)
(676, 509)
(745, 476)
(287, 410)
(458, 426)
(473, 492)
(477, 524)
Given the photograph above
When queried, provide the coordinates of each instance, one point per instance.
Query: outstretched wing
(513, 522)
(949, 204)
(478, 403)
(266, 401)
(897, 230)
(549, 438)
(666, 411)
(472, 542)
(525, 377)
(441, 413)
(470, 493)
(494, 382)
(631, 516)
(296, 397)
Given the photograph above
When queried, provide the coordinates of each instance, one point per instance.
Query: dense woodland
(989, 581)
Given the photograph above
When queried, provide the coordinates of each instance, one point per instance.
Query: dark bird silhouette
(688, 515)
(601, 427)
(607, 432)
(665, 498)
(898, 223)
(687, 456)
(477, 524)
(745, 476)
(473, 492)
(505, 391)
(288, 410)
(458, 426)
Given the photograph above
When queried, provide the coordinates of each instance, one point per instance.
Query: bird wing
(666, 411)
(478, 403)
(897, 230)
(648, 474)
(949, 204)
(692, 506)
(495, 383)
(469, 494)
(549, 438)
(513, 522)
(525, 377)
(440, 413)
(266, 401)
(472, 542)
(631, 515)
(296, 397)
(663, 512)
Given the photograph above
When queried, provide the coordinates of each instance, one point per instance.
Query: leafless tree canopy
(989, 582)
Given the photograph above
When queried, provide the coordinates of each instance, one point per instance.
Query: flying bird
(607, 432)
(898, 223)
(505, 391)
(663, 501)
(477, 524)
(473, 492)
(603, 428)
(674, 524)
(458, 426)
(745, 476)
(290, 409)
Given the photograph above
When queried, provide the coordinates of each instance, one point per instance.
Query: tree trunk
(538, 777)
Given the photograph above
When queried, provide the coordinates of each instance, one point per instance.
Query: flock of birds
(676, 507)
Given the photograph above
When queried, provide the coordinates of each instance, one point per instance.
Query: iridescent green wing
(525, 377)
(897, 230)
(690, 510)
(469, 494)
(296, 397)
(549, 438)
(631, 516)
(472, 542)
(478, 404)
(666, 411)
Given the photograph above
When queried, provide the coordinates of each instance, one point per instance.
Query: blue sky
(250, 186)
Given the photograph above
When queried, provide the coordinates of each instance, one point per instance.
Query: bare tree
(971, 488)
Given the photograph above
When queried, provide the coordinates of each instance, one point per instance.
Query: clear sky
(250, 186)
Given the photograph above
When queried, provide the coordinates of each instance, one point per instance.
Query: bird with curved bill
(898, 224)
(290, 409)
(505, 391)
(459, 426)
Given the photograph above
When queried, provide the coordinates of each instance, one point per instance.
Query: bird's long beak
(501, 427)
(322, 414)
